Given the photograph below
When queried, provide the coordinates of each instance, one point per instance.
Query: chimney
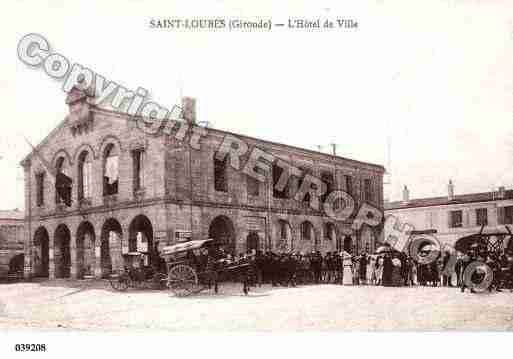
(450, 190)
(189, 109)
(502, 192)
(406, 194)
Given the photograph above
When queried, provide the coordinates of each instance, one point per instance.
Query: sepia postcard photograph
(248, 178)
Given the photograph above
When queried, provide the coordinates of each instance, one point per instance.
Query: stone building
(454, 216)
(11, 240)
(98, 186)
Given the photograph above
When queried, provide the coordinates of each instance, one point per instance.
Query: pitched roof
(458, 199)
(11, 214)
(74, 95)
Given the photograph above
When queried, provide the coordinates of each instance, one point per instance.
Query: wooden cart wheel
(119, 283)
(182, 280)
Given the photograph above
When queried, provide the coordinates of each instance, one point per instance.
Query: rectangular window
(349, 184)
(40, 189)
(508, 215)
(327, 179)
(277, 172)
(220, 180)
(253, 186)
(305, 171)
(481, 216)
(456, 219)
(306, 231)
(137, 156)
(367, 190)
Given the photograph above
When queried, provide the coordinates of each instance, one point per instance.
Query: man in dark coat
(363, 268)
(316, 265)
(387, 270)
(259, 267)
(274, 263)
(435, 277)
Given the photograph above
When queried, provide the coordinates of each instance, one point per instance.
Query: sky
(436, 78)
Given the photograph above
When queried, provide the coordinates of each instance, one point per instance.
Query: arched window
(284, 228)
(307, 231)
(110, 170)
(329, 232)
(84, 176)
(63, 182)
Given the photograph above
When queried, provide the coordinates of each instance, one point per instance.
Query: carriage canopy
(187, 246)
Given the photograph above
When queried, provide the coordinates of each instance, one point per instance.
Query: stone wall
(166, 201)
(11, 242)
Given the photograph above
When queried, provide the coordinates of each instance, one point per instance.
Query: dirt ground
(81, 305)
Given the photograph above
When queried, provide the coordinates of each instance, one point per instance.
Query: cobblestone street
(94, 306)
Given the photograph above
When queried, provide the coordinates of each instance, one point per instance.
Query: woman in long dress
(379, 270)
(414, 279)
(371, 267)
(348, 264)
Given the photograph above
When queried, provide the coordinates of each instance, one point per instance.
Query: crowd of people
(389, 268)
(290, 269)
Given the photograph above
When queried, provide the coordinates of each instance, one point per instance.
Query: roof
(12, 214)
(441, 201)
(356, 162)
(224, 132)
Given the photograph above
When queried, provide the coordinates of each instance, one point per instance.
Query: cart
(197, 265)
(136, 275)
(485, 243)
(497, 247)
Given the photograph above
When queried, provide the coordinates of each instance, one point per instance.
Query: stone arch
(62, 251)
(111, 247)
(41, 252)
(61, 153)
(308, 240)
(109, 139)
(284, 238)
(222, 230)
(348, 244)
(367, 239)
(84, 147)
(85, 249)
(253, 241)
(140, 237)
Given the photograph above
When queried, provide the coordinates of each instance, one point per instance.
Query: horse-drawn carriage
(493, 248)
(188, 268)
(137, 275)
(198, 265)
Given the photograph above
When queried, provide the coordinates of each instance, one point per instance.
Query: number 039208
(30, 347)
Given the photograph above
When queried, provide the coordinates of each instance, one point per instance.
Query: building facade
(455, 216)
(11, 240)
(99, 186)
